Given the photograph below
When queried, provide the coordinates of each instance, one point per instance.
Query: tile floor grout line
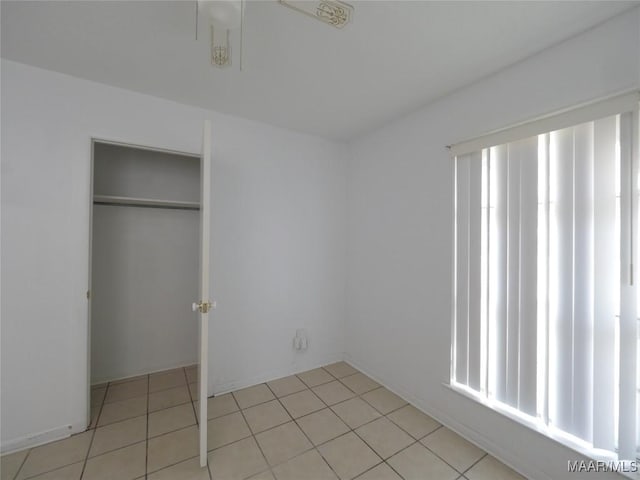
(315, 447)
(166, 408)
(197, 382)
(274, 427)
(417, 441)
(326, 462)
(173, 464)
(399, 451)
(124, 420)
(253, 405)
(115, 450)
(104, 397)
(384, 460)
(368, 470)
(93, 433)
(432, 431)
(304, 385)
(120, 381)
(148, 393)
(390, 411)
(173, 431)
(272, 467)
(195, 414)
(253, 436)
(141, 396)
(321, 383)
(343, 435)
(359, 394)
(414, 441)
(476, 462)
(15, 475)
(374, 450)
(314, 394)
(436, 454)
(52, 470)
(164, 389)
(135, 443)
(307, 414)
(406, 431)
(340, 383)
(365, 423)
(269, 467)
(95, 428)
(193, 406)
(394, 470)
(301, 416)
(361, 425)
(311, 413)
(294, 420)
(275, 396)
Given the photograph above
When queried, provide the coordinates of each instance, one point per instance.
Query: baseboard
(65, 431)
(118, 379)
(222, 388)
(518, 464)
(36, 439)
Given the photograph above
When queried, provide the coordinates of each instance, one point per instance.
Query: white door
(204, 305)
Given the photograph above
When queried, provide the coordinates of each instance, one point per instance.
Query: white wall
(141, 290)
(400, 229)
(278, 241)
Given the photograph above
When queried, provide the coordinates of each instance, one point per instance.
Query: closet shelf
(144, 202)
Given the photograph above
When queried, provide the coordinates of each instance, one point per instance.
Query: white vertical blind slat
(527, 339)
(462, 268)
(498, 272)
(604, 274)
(542, 289)
(475, 250)
(512, 324)
(628, 295)
(583, 282)
(561, 278)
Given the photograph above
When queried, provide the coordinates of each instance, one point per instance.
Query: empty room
(319, 240)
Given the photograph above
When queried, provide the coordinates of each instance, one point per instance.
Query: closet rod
(167, 207)
(143, 202)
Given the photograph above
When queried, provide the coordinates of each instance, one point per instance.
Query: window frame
(625, 102)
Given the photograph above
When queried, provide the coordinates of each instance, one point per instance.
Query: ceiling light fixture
(332, 12)
(223, 16)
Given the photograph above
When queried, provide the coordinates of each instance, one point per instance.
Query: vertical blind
(545, 311)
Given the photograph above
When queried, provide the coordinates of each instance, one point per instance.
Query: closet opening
(144, 264)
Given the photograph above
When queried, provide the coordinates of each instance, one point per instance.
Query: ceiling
(297, 72)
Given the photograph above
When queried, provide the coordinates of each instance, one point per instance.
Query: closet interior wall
(144, 261)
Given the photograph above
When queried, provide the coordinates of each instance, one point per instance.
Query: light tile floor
(328, 423)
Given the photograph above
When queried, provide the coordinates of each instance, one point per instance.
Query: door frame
(92, 143)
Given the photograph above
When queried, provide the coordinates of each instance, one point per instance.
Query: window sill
(569, 441)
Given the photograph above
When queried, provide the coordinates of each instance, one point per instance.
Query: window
(545, 311)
